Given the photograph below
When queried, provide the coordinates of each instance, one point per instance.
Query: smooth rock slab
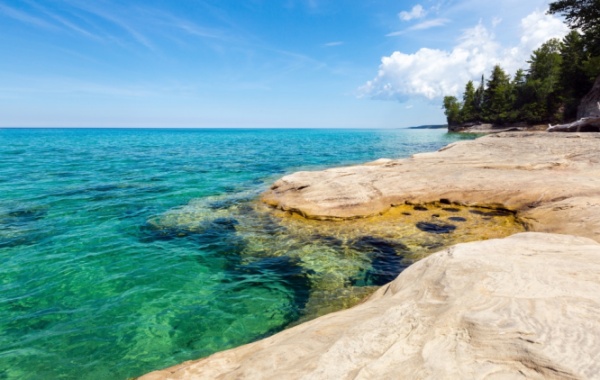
(525, 306)
(516, 171)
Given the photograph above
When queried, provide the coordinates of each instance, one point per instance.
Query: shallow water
(125, 251)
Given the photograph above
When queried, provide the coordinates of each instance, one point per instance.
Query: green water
(126, 251)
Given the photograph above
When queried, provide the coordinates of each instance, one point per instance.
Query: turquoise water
(125, 251)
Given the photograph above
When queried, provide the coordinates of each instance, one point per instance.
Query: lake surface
(123, 251)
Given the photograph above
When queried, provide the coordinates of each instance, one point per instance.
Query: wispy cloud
(421, 26)
(127, 26)
(63, 21)
(333, 43)
(430, 24)
(415, 13)
(24, 17)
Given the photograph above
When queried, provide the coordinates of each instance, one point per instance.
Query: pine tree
(479, 99)
(542, 98)
(574, 83)
(517, 95)
(496, 97)
(468, 111)
(583, 15)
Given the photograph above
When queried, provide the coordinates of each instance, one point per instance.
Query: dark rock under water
(436, 228)
(386, 259)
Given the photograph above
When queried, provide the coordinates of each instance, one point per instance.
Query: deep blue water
(127, 250)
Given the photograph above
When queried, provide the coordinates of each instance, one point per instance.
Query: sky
(254, 63)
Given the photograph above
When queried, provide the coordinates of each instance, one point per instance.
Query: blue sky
(254, 63)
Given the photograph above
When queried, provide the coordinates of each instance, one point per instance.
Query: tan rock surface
(519, 171)
(526, 306)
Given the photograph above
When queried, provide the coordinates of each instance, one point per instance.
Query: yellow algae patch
(423, 228)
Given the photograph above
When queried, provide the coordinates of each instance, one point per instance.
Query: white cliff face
(525, 307)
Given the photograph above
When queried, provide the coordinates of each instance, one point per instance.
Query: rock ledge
(525, 306)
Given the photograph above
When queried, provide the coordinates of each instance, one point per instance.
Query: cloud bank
(433, 73)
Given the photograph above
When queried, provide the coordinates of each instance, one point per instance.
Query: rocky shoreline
(525, 306)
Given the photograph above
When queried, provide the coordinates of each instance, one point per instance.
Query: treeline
(560, 73)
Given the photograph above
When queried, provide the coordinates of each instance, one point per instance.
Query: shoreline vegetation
(556, 88)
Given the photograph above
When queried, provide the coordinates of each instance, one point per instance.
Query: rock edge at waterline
(525, 306)
(521, 307)
(529, 173)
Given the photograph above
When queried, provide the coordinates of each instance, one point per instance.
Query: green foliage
(468, 112)
(518, 98)
(497, 97)
(541, 95)
(583, 15)
(452, 110)
(479, 97)
(574, 81)
(560, 73)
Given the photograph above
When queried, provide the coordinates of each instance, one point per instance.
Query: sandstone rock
(526, 306)
(590, 104)
(519, 171)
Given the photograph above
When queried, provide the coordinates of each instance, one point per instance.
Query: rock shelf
(525, 306)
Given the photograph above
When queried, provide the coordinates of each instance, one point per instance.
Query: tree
(584, 15)
(468, 112)
(478, 102)
(574, 82)
(518, 86)
(496, 97)
(541, 97)
(452, 110)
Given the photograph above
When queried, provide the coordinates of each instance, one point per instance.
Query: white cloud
(333, 43)
(496, 21)
(432, 73)
(539, 27)
(416, 12)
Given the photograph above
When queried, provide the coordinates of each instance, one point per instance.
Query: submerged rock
(452, 315)
(386, 259)
(436, 228)
(516, 171)
(496, 212)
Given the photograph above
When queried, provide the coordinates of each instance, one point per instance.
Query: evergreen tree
(542, 99)
(478, 102)
(518, 95)
(583, 15)
(468, 111)
(496, 97)
(574, 82)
